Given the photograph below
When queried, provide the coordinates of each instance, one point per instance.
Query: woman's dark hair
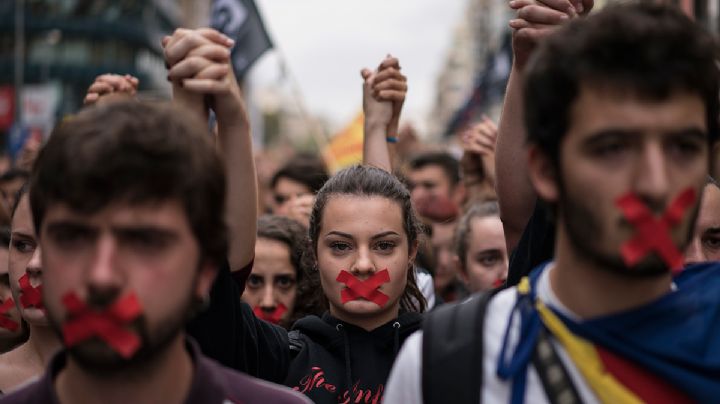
(20, 193)
(479, 210)
(370, 181)
(287, 231)
(294, 236)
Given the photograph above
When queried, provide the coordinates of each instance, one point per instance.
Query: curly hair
(644, 49)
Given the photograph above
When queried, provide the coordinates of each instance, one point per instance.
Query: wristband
(391, 139)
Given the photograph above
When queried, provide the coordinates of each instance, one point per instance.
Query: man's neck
(590, 291)
(166, 379)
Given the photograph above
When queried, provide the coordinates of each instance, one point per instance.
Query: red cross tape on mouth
(273, 316)
(108, 324)
(5, 322)
(653, 234)
(367, 289)
(30, 296)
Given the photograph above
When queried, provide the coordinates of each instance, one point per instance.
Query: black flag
(241, 21)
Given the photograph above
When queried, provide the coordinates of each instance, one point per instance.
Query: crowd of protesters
(565, 256)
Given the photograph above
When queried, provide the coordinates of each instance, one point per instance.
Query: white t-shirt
(405, 384)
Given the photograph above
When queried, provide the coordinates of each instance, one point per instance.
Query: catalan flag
(665, 351)
(346, 147)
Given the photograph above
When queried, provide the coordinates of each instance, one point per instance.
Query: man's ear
(543, 175)
(206, 276)
(459, 194)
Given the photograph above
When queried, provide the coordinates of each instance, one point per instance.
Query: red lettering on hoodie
(316, 380)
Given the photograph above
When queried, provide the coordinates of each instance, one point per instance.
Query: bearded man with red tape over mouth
(128, 201)
(621, 112)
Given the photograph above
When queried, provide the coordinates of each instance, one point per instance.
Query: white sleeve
(405, 385)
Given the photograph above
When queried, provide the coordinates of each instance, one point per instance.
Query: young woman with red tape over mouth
(277, 287)
(363, 223)
(13, 331)
(29, 359)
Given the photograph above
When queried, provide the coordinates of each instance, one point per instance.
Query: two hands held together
(199, 68)
(384, 91)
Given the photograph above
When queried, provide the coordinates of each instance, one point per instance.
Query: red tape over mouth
(652, 234)
(368, 289)
(108, 324)
(31, 296)
(274, 316)
(5, 322)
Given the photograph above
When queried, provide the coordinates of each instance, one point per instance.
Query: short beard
(95, 356)
(584, 228)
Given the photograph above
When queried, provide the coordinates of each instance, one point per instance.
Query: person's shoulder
(248, 389)
(28, 394)
(498, 311)
(15, 371)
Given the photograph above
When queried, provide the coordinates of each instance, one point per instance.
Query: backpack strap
(554, 376)
(453, 352)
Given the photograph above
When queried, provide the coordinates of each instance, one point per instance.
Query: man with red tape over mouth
(621, 112)
(128, 201)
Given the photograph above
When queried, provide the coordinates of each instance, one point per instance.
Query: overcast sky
(326, 42)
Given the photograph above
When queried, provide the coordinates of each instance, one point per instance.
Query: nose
(103, 277)
(34, 266)
(363, 264)
(652, 183)
(268, 298)
(693, 252)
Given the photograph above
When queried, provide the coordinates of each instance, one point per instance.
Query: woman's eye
(338, 246)
(489, 260)
(254, 281)
(23, 246)
(385, 245)
(284, 282)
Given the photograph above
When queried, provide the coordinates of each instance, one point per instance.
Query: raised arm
(227, 330)
(516, 196)
(201, 74)
(478, 161)
(383, 96)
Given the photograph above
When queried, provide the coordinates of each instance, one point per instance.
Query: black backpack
(452, 351)
(452, 356)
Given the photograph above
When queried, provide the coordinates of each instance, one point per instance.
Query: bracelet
(391, 139)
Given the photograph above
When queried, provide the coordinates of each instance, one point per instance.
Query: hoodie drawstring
(348, 368)
(396, 326)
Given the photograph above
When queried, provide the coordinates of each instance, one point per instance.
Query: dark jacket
(211, 384)
(322, 357)
(337, 362)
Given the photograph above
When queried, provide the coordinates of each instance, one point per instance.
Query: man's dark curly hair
(644, 49)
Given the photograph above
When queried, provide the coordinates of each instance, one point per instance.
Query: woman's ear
(460, 270)
(413, 252)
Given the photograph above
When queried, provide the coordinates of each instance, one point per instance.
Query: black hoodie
(337, 362)
(324, 358)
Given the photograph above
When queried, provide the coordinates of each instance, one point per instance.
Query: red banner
(7, 107)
